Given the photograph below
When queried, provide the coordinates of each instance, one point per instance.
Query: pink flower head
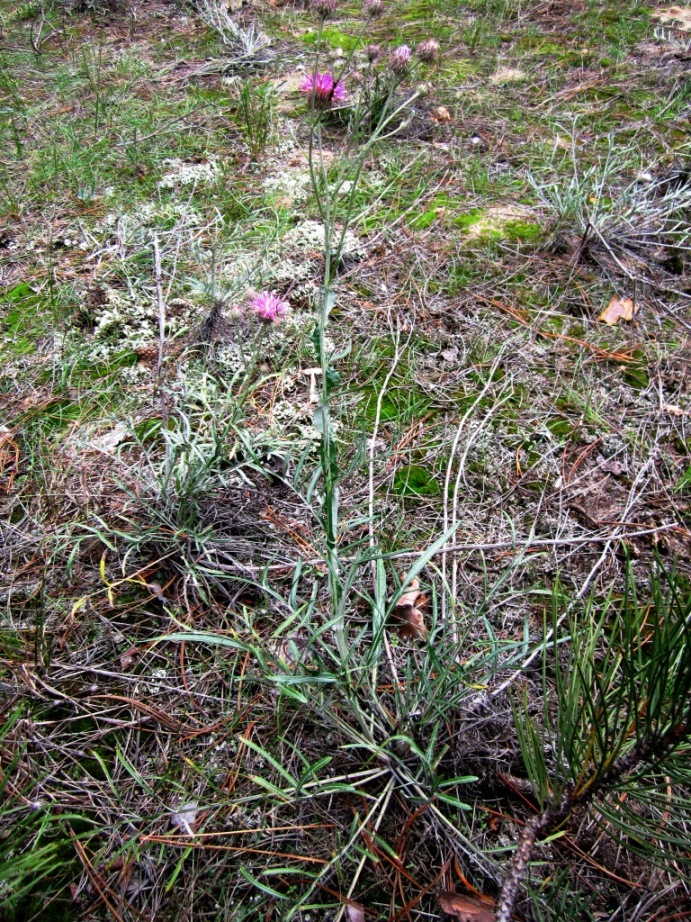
(269, 307)
(400, 60)
(323, 90)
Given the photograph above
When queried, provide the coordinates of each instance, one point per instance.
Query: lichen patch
(508, 75)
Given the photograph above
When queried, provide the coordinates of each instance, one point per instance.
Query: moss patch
(415, 480)
(22, 320)
(504, 222)
(334, 38)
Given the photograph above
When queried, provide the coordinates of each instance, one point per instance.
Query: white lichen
(309, 235)
(181, 173)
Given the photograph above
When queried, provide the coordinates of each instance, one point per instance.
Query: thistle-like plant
(376, 110)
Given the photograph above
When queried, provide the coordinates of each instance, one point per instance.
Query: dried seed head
(372, 52)
(373, 8)
(428, 51)
(324, 8)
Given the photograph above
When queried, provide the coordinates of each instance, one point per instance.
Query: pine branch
(652, 749)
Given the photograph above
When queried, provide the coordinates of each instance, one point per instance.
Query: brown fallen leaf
(464, 908)
(618, 309)
(411, 595)
(673, 409)
(441, 114)
(610, 466)
(407, 616)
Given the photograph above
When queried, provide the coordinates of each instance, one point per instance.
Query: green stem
(333, 246)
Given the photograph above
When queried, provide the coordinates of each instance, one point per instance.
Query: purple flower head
(324, 8)
(400, 60)
(373, 8)
(372, 52)
(323, 90)
(428, 51)
(269, 307)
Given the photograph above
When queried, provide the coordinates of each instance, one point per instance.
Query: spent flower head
(400, 60)
(372, 52)
(428, 51)
(269, 307)
(373, 8)
(324, 8)
(323, 90)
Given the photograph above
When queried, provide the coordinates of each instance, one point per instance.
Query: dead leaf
(408, 617)
(355, 913)
(610, 466)
(109, 441)
(441, 114)
(413, 623)
(411, 595)
(673, 409)
(618, 309)
(464, 908)
(185, 817)
(676, 16)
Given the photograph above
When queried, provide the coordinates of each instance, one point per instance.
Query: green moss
(635, 373)
(545, 49)
(426, 218)
(459, 277)
(86, 372)
(399, 405)
(522, 231)
(561, 426)
(57, 416)
(333, 37)
(415, 480)
(455, 72)
(469, 218)
(23, 319)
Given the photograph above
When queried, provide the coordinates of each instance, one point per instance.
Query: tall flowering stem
(367, 128)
